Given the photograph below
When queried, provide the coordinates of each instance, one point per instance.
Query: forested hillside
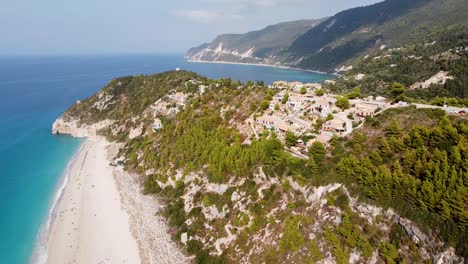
(394, 191)
(432, 52)
(347, 22)
(339, 39)
(413, 43)
(126, 97)
(357, 31)
(259, 46)
(418, 169)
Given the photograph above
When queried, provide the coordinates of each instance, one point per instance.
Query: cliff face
(233, 197)
(75, 129)
(329, 43)
(262, 46)
(115, 108)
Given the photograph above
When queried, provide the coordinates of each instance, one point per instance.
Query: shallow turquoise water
(34, 91)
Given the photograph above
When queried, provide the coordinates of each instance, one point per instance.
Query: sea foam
(39, 255)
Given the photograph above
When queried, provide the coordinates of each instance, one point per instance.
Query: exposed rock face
(447, 257)
(412, 230)
(314, 195)
(136, 132)
(220, 53)
(440, 78)
(261, 46)
(75, 129)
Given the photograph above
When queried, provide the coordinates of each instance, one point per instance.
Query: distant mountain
(341, 38)
(355, 31)
(253, 47)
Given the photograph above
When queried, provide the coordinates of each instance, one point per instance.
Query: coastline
(89, 224)
(39, 255)
(262, 65)
(148, 226)
(100, 214)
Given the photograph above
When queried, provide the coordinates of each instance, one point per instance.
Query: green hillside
(391, 23)
(393, 191)
(255, 46)
(349, 21)
(429, 52)
(340, 39)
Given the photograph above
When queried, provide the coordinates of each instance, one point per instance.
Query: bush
(292, 238)
(193, 246)
(317, 151)
(203, 257)
(290, 139)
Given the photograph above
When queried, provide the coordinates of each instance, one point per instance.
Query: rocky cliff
(330, 43)
(74, 128)
(261, 46)
(237, 198)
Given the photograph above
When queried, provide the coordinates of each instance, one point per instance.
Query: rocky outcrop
(440, 78)
(220, 53)
(135, 132)
(261, 47)
(412, 230)
(316, 193)
(75, 129)
(447, 257)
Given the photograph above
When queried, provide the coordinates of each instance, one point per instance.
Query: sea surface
(34, 91)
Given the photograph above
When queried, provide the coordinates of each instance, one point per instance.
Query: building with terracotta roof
(335, 125)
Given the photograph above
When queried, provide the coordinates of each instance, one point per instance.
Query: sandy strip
(91, 226)
(264, 65)
(148, 226)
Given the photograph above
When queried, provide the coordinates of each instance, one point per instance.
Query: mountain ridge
(252, 47)
(392, 191)
(340, 39)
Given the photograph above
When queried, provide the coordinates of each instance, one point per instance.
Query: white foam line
(39, 255)
(265, 65)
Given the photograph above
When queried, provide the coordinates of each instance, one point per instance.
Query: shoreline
(99, 214)
(262, 65)
(89, 224)
(39, 255)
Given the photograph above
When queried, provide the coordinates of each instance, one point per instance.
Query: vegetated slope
(350, 20)
(433, 66)
(417, 169)
(126, 97)
(233, 197)
(355, 31)
(256, 46)
(340, 39)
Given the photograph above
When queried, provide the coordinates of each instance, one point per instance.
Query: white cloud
(257, 3)
(206, 16)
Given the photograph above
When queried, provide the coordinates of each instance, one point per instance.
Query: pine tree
(385, 148)
(394, 129)
(313, 166)
(444, 210)
(376, 158)
(317, 151)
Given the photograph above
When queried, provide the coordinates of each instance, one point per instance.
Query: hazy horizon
(53, 27)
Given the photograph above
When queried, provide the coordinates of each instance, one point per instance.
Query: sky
(142, 26)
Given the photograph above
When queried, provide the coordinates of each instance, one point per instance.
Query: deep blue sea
(34, 91)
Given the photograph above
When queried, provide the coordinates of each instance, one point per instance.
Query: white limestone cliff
(75, 129)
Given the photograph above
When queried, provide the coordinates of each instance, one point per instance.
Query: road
(448, 109)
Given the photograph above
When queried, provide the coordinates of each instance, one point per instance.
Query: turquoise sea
(34, 91)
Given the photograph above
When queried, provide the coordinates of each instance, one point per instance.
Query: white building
(322, 106)
(312, 86)
(202, 89)
(335, 125)
(364, 110)
(157, 125)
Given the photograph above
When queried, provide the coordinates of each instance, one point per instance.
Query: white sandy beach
(263, 65)
(91, 226)
(103, 217)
